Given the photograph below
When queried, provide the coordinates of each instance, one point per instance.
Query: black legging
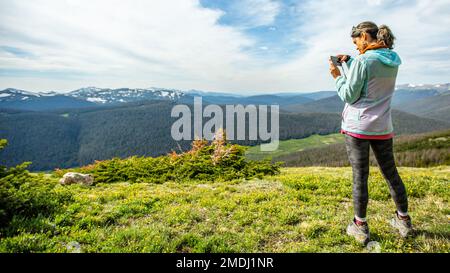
(358, 154)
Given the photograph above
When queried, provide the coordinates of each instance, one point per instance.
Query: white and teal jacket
(367, 92)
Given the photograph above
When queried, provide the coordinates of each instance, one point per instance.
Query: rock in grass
(77, 178)
(74, 247)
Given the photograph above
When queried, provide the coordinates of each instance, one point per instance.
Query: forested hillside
(436, 107)
(73, 137)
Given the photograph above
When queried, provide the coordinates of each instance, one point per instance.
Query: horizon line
(209, 91)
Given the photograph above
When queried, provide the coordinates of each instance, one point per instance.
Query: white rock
(76, 178)
(74, 247)
(374, 247)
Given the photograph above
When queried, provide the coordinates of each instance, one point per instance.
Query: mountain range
(11, 98)
(56, 130)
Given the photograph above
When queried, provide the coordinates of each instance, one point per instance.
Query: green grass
(294, 145)
(416, 150)
(300, 210)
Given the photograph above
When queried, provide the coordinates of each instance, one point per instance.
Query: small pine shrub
(215, 161)
(24, 196)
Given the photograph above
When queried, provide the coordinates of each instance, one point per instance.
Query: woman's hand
(343, 58)
(335, 72)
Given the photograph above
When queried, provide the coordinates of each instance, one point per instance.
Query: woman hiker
(367, 91)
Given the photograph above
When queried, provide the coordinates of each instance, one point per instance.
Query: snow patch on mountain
(121, 95)
(20, 92)
(441, 88)
(124, 95)
(98, 100)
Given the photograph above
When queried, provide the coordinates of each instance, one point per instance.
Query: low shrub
(215, 161)
(24, 196)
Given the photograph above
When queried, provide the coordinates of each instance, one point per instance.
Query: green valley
(287, 147)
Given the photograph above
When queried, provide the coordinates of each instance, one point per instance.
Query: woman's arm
(349, 89)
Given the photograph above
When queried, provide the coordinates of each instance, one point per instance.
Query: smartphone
(335, 61)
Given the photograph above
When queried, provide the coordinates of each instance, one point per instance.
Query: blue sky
(239, 46)
(272, 25)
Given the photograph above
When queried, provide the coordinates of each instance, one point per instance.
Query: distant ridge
(12, 98)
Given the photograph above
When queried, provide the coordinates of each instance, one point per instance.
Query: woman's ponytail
(385, 36)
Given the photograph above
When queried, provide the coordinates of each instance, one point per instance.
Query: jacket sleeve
(349, 89)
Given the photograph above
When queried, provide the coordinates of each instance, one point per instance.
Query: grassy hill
(287, 147)
(300, 210)
(415, 150)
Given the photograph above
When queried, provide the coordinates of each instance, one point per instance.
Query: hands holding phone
(335, 61)
(343, 58)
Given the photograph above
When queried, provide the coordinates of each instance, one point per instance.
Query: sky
(237, 46)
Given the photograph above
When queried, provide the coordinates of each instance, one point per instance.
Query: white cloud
(421, 28)
(179, 44)
(118, 43)
(374, 2)
(254, 13)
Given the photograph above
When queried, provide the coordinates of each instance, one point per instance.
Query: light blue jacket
(367, 92)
